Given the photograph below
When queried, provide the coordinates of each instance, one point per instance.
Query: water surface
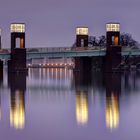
(57, 104)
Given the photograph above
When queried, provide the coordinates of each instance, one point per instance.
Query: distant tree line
(126, 39)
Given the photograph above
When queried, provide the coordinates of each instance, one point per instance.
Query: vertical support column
(1, 62)
(113, 53)
(83, 70)
(82, 64)
(18, 55)
(82, 37)
(0, 40)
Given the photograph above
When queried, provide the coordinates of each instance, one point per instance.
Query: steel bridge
(68, 52)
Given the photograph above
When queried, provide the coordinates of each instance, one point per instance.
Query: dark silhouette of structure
(0, 40)
(1, 62)
(113, 55)
(112, 61)
(82, 64)
(18, 55)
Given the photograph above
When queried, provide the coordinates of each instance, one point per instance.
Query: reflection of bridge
(37, 53)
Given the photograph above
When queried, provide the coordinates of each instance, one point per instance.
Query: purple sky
(51, 23)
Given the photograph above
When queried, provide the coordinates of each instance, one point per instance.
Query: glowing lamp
(17, 28)
(82, 30)
(113, 27)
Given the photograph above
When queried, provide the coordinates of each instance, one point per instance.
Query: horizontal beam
(71, 53)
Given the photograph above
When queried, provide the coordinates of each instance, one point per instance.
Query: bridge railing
(56, 49)
(64, 49)
(70, 52)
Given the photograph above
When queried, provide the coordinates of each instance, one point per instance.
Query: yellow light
(81, 109)
(17, 28)
(17, 112)
(112, 27)
(112, 112)
(82, 30)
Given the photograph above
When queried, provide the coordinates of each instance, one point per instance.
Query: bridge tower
(82, 64)
(0, 39)
(18, 50)
(1, 62)
(113, 55)
(82, 37)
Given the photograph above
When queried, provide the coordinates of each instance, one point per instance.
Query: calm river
(57, 104)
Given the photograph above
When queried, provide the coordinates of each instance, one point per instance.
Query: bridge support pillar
(83, 64)
(83, 70)
(1, 66)
(17, 63)
(1, 62)
(113, 59)
(113, 53)
(1, 71)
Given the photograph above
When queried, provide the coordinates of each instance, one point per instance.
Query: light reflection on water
(17, 110)
(81, 108)
(62, 104)
(112, 112)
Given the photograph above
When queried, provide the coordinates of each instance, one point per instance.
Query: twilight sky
(52, 23)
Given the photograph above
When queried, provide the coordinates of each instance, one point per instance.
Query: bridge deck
(36, 53)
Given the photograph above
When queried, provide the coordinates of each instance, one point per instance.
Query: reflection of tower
(17, 83)
(112, 111)
(82, 82)
(113, 90)
(81, 108)
(0, 108)
(17, 110)
(81, 37)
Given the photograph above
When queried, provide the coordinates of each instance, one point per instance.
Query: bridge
(108, 57)
(68, 52)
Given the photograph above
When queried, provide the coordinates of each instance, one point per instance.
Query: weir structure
(17, 62)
